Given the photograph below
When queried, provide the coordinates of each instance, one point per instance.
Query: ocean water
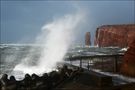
(13, 54)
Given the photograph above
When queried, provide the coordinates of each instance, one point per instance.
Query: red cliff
(128, 64)
(115, 35)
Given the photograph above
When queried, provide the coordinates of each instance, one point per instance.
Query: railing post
(115, 64)
(88, 65)
(102, 64)
(80, 63)
(70, 61)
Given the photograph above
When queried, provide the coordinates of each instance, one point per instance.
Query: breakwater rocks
(47, 81)
(115, 35)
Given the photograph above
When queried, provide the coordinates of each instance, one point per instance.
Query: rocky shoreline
(47, 81)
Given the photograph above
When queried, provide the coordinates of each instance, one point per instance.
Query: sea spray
(55, 38)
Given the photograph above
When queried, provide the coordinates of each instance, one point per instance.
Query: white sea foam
(56, 38)
(124, 49)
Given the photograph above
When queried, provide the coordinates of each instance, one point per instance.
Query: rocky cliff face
(115, 35)
(128, 64)
(87, 39)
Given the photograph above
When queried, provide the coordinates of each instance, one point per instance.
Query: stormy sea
(14, 54)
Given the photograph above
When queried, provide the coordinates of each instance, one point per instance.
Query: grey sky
(21, 21)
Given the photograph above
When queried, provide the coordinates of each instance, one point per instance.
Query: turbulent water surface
(13, 54)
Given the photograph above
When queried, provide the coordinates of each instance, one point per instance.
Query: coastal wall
(115, 35)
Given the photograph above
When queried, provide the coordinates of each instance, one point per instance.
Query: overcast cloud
(21, 21)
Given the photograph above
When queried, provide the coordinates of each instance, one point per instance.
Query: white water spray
(56, 38)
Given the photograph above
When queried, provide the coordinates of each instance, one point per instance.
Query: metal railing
(108, 63)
